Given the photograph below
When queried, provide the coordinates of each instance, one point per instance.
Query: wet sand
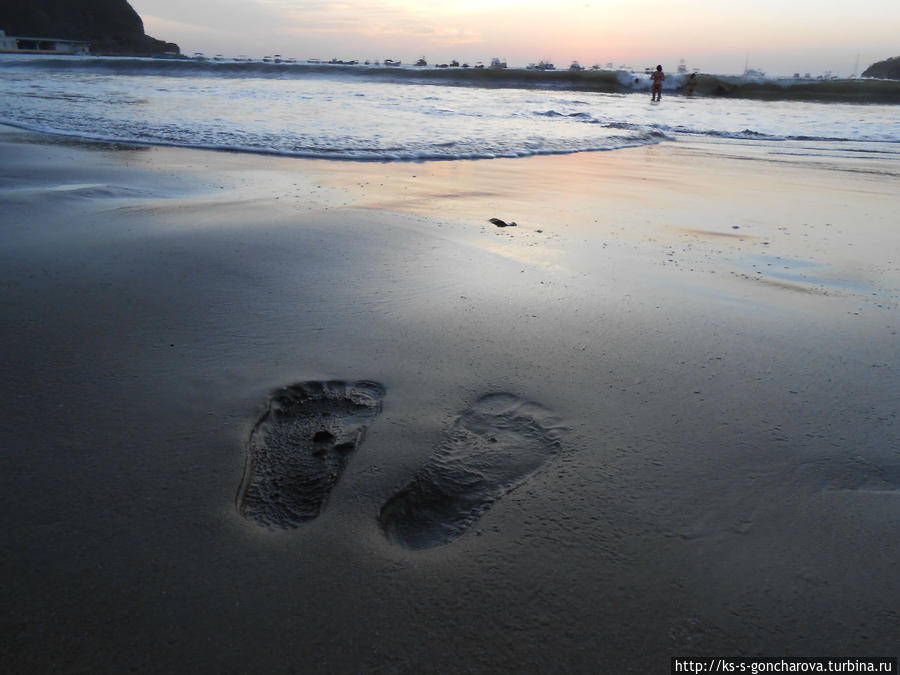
(656, 418)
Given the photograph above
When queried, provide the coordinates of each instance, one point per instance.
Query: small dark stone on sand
(502, 223)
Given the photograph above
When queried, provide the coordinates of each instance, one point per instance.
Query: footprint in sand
(299, 447)
(491, 449)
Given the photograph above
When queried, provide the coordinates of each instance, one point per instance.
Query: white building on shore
(41, 45)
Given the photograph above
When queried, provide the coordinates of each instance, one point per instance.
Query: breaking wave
(860, 90)
(362, 113)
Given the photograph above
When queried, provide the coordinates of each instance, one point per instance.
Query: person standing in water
(691, 84)
(657, 76)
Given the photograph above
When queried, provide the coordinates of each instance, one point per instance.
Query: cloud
(526, 30)
(160, 25)
(381, 24)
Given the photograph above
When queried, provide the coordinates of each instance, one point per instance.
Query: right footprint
(491, 449)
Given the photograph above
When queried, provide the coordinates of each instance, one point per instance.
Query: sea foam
(389, 113)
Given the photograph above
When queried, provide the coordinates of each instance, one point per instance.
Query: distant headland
(109, 26)
(888, 69)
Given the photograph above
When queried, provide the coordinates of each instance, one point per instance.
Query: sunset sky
(779, 37)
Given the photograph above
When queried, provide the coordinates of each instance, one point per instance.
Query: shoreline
(859, 90)
(714, 325)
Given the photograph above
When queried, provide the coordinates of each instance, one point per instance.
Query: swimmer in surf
(691, 84)
(657, 76)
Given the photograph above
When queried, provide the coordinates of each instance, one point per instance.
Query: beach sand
(672, 389)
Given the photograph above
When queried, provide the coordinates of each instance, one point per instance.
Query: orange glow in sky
(781, 37)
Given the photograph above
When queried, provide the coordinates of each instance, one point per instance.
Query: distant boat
(391, 62)
(543, 65)
(576, 66)
(497, 64)
(752, 72)
(422, 62)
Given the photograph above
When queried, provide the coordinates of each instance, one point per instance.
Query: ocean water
(386, 114)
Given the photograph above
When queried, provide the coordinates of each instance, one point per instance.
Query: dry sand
(701, 339)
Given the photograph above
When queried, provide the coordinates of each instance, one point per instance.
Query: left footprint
(300, 446)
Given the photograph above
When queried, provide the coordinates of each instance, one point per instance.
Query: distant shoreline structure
(13, 44)
(58, 27)
(544, 66)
